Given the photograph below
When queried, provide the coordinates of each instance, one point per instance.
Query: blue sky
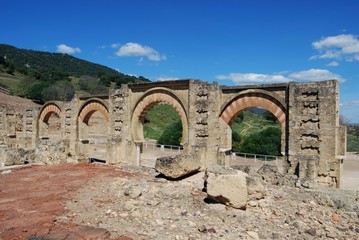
(231, 42)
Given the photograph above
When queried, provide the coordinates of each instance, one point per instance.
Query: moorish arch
(47, 110)
(92, 129)
(49, 121)
(255, 98)
(149, 100)
(90, 107)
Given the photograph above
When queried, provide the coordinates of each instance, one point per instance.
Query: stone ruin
(313, 142)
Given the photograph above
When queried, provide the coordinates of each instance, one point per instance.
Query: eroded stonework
(313, 143)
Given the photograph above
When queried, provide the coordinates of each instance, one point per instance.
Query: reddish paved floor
(32, 197)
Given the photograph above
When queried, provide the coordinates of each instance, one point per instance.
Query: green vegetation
(44, 76)
(163, 123)
(353, 138)
(252, 132)
(256, 131)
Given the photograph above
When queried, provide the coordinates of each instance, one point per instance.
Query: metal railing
(255, 157)
(162, 147)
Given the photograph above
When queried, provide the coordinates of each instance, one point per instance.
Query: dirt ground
(351, 172)
(32, 197)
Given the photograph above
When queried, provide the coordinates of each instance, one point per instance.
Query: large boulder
(227, 186)
(178, 166)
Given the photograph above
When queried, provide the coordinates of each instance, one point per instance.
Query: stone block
(227, 186)
(178, 166)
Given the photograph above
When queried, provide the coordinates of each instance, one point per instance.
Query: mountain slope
(45, 76)
(24, 59)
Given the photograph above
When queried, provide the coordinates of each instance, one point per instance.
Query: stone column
(313, 120)
(203, 121)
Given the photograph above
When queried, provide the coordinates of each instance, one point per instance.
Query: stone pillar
(203, 112)
(341, 144)
(313, 120)
(29, 130)
(2, 126)
(121, 142)
(138, 153)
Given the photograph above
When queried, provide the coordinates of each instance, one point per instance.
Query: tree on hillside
(267, 142)
(92, 85)
(270, 117)
(172, 135)
(61, 90)
(11, 69)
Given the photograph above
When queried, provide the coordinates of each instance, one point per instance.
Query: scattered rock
(311, 231)
(211, 230)
(256, 190)
(178, 166)
(202, 229)
(269, 174)
(145, 207)
(307, 183)
(335, 217)
(133, 192)
(253, 235)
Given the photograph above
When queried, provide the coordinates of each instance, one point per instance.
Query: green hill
(257, 132)
(46, 76)
(253, 131)
(163, 124)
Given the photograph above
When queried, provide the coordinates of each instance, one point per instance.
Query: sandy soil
(351, 172)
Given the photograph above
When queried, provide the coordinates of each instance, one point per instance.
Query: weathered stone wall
(313, 143)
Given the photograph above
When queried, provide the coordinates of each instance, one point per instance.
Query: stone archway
(92, 129)
(49, 122)
(91, 106)
(255, 98)
(150, 99)
(252, 99)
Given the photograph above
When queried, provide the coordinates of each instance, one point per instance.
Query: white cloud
(333, 64)
(340, 47)
(315, 75)
(137, 50)
(62, 48)
(248, 78)
(257, 78)
(166, 78)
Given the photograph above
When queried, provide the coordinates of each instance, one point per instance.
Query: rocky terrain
(148, 207)
(103, 202)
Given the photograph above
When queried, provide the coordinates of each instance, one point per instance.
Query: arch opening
(256, 139)
(256, 131)
(49, 123)
(147, 102)
(254, 100)
(93, 130)
(163, 125)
